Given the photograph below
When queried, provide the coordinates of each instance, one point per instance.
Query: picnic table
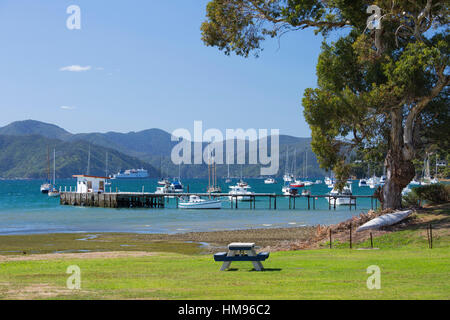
(238, 251)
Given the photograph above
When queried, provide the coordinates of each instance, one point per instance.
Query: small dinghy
(385, 220)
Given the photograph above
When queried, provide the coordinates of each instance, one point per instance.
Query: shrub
(411, 199)
(434, 194)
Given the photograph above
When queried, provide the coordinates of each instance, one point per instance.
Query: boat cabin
(90, 184)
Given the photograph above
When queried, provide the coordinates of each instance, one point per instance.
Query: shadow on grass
(253, 270)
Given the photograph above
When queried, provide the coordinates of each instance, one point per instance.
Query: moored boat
(341, 198)
(270, 181)
(195, 202)
(240, 193)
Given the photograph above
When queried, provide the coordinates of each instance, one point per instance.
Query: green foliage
(433, 194)
(411, 199)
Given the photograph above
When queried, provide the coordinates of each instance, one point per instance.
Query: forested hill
(26, 157)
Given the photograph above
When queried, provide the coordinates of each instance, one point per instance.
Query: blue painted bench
(222, 256)
(241, 252)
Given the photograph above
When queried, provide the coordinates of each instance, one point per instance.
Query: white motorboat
(374, 182)
(318, 182)
(177, 186)
(240, 193)
(195, 202)
(347, 191)
(163, 182)
(308, 183)
(54, 193)
(434, 181)
(306, 192)
(406, 191)
(46, 187)
(270, 181)
(329, 181)
(289, 191)
(363, 183)
(165, 189)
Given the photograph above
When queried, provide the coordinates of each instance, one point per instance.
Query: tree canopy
(383, 86)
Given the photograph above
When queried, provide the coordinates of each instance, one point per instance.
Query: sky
(136, 65)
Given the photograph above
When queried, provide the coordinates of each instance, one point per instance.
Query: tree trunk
(399, 171)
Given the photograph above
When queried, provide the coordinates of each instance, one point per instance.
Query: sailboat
(228, 180)
(54, 192)
(212, 177)
(47, 186)
(288, 177)
(296, 183)
(426, 180)
(162, 181)
(107, 183)
(307, 182)
(176, 183)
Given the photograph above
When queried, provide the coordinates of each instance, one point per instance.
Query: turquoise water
(24, 210)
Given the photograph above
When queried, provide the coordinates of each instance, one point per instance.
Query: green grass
(409, 269)
(318, 274)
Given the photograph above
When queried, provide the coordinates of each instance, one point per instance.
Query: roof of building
(86, 176)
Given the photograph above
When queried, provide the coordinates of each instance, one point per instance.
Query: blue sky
(148, 69)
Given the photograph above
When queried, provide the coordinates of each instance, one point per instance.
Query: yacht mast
(48, 164)
(89, 161)
(54, 166)
(106, 169)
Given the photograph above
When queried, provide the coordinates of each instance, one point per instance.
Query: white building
(90, 184)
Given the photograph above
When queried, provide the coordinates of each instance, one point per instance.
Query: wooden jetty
(153, 200)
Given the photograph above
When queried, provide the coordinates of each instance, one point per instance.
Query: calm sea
(24, 210)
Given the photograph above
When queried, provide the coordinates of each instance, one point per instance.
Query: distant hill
(32, 127)
(26, 157)
(154, 146)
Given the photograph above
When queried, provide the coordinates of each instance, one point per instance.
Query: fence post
(331, 240)
(350, 236)
(371, 240)
(431, 237)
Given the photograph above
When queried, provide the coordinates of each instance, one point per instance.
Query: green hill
(153, 148)
(26, 157)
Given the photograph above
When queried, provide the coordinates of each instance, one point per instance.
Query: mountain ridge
(154, 146)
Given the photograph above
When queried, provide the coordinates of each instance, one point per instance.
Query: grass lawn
(409, 270)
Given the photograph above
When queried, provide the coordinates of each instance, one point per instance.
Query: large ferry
(131, 174)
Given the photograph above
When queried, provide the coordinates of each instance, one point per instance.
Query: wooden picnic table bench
(238, 251)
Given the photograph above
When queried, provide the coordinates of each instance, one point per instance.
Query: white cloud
(68, 108)
(75, 68)
(100, 68)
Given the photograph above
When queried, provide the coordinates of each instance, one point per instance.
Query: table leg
(227, 264)
(256, 264)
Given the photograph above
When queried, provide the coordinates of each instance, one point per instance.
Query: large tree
(374, 84)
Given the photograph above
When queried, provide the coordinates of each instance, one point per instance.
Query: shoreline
(266, 239)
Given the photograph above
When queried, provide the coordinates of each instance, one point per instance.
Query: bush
(411, 199)
(434, 194)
